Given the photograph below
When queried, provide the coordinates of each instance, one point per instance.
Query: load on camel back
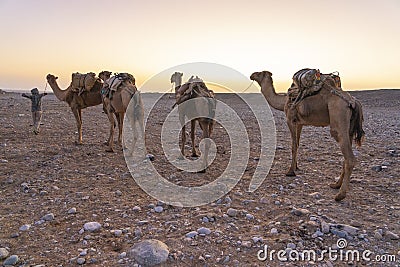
(83, 82)
(308, 82)
(111, 84)
(195, 87)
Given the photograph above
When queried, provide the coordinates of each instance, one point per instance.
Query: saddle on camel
(111, 85)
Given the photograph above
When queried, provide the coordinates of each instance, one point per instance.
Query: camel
(330, 107)
(118, 104)
(201, 105)
(75, 101)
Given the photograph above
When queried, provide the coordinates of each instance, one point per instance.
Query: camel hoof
(78, 143)
(335, 186)
(340, 196)
(110, 150)
(290, 173)
(195, 155)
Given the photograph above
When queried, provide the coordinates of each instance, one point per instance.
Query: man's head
(35, 91)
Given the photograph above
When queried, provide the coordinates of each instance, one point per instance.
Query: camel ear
(55, 78)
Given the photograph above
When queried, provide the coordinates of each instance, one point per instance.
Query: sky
(360, 39)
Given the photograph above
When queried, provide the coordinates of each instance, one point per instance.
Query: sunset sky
(358, 38)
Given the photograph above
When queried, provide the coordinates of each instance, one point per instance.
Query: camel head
(51, 78)
(176, 77)
(105, 75)
(260, 76)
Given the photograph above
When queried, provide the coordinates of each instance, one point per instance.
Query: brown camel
(203, 105)
(75, 101)
(330, 107)
(116, 103)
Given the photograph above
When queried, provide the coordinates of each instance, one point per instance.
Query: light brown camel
(75, 101)
(203, 105)
(116, 103)
(325, 108)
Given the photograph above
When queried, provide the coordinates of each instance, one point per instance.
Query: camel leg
(298, 134)
(339, 182)
(183, 139)
(111, 135)
(193, 137)
(349, 162)
(206, 135)
(77, 114)
(120, 126)
(292, 128)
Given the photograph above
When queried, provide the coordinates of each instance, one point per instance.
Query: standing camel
(75, 101)
(329, 107)
(116, 101)
(202, 105)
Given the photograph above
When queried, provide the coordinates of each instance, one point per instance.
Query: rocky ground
(69, 205)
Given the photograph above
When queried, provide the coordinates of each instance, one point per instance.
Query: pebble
(158, 209)
(339, 233)
(122, 255)
(149, 252)
(12, 260)
(81, 261)
(232, 212)
(14, 235)
(117, 233)
(378, 235)
(72, 211)
(92, 226)
(300, 212)
(203, 231)
(247, 244)
(136, 208)
(351, 230)
(25, 227)
(118, 193)
(325, 227)
(257, 239)
(391, 235)
(249, 216)
(274, 231)
(377, 168)
(291, 246)
(192, 234)
(48, 217)
(4, 253)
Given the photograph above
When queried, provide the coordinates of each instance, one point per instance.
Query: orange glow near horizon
(361, 40)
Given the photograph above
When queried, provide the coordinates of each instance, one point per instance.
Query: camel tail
(357, 118)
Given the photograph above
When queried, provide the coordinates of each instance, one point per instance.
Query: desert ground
(50, 187)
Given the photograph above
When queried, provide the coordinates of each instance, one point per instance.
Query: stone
(192, 234)
(12, 260)
(351, 230)
(325, 227)
(117, 233)
(378, 235)
(249, 216)
(92, 226)
(4, 253)
(300, 212)
(391, 235)
(377, 168)
(48, 217)
(158, 209)
(274, 231)
(203, 231)
(232, 212)
(25, 227)
(136, 209)
(80, 261)
(339, 233)
(149, 252)
(291, 246)
(72, 211)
